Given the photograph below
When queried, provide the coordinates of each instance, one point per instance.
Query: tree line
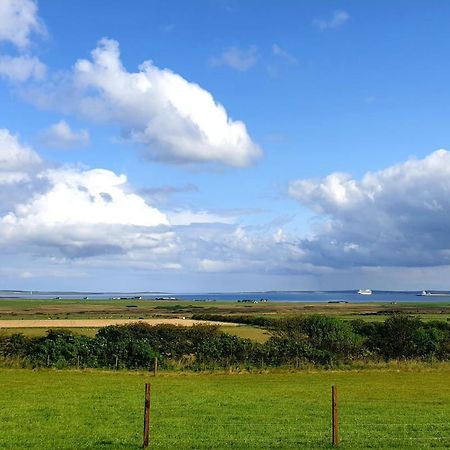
(320, 340)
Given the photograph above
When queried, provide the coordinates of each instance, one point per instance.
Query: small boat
(365, 292)
(424, 294)
(434, 294)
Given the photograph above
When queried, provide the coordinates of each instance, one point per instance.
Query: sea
(272, 296)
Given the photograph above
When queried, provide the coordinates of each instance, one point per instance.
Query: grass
(123, 309)
(248, 332)
(85, 331)
(389, 409)
(243, 331)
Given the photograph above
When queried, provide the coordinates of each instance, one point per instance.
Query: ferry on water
(434, 294)
(365, 292)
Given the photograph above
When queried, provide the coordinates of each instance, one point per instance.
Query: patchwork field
(56, 309)
(34, 317)
(398, 409)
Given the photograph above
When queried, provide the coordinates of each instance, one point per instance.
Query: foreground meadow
(384, 409)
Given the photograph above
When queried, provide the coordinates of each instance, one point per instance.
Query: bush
(403, 337)
(61, 348)
(320, 340)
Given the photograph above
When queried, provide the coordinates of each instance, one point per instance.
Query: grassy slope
(103, 410)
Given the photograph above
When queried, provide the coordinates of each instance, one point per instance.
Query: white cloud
(83, 214)
(337, 20)
(60, 135)
(231, 248)
(19, 20)
(212, 265)
(396, 218)
(399, 216)
(70, 211)
(188, 217)
(66, 215)
(172, 119)
(69, 216)
(17, 161)
(278, 51)
(90, 197)
(236, 58)
(22, 68)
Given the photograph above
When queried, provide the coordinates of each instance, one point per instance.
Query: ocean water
(273, 296)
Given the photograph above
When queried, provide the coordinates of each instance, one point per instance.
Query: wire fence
(349, 424)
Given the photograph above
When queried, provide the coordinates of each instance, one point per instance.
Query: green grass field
(406, 409)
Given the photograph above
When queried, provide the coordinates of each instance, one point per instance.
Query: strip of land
(98, 323)
(16, 309)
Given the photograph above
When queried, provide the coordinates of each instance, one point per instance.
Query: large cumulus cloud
(68, 215)
(399, 216)
(73, 212)
(84, 213)
(172, 119)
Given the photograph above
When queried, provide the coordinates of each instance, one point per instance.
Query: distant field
(243, 331)
(53, 311)
(97, 323)
(131, 309)
(405, 409)
(29, 331)
(247, 332)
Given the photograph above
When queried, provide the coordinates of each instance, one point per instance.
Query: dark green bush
(319, 340)
(403, 337)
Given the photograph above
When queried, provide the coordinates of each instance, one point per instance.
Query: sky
(224, 145)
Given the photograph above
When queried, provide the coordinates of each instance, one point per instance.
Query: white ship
(365, 292)
(434, 294)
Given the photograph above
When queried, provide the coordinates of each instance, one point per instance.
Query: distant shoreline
(269, 296)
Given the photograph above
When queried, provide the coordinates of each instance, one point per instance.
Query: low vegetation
(301, 341)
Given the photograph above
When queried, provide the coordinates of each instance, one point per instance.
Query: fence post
(334, 416)
(147, 416)
(155, 366)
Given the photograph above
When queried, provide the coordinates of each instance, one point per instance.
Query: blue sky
(247, 197)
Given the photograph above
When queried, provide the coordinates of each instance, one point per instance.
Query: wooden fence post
(147, 417)
(155, 366)
(334, 416)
